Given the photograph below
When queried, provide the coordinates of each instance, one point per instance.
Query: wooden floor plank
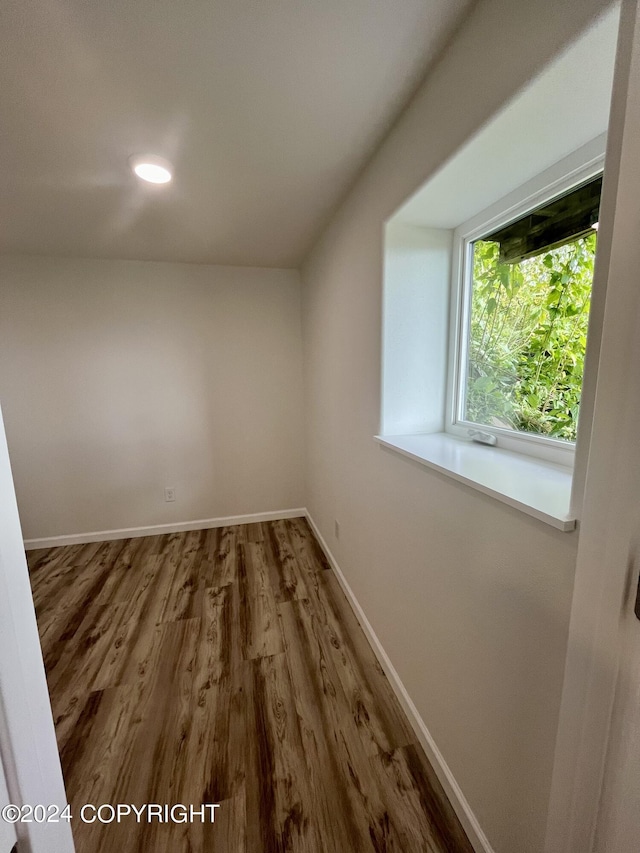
(181, 561)
(123, 578)
(139, 616)
(374, 708)
(261, 635)
(310, 555)
(226, 666)
(287, 579)
(74, 660)
(220, 568)
(328, 723)
(282, 810)
(252, 532)
(411, 789)
(218, 743)
(53, 592)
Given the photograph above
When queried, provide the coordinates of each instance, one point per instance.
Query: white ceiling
(564, 108)
(267, 108)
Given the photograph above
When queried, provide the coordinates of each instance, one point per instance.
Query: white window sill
(541, 489)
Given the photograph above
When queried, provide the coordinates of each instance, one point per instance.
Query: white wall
(417, 279)
(118, 378)
(469, 598)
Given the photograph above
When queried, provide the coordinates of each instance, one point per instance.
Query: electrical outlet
(337, 528)
(169, 493)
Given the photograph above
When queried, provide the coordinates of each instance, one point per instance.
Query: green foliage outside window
(527, 340)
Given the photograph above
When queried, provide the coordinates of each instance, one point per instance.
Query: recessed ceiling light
(155, 170)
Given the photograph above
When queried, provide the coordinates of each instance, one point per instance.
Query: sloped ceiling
(563, 109)
(267, 109)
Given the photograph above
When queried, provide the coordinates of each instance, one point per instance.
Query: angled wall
(469, 598)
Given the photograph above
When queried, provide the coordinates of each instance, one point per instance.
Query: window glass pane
(527, 338)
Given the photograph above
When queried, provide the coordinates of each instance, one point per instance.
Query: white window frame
(535, 193)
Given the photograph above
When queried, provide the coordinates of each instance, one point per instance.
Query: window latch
(482, 437)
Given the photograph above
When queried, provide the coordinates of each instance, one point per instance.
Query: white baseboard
(457, 799)
(157, 529)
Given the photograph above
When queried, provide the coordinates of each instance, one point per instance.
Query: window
(523, 281)
(513, 208)
(515, 281)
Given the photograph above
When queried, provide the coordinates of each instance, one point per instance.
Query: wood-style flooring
(226, 666)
